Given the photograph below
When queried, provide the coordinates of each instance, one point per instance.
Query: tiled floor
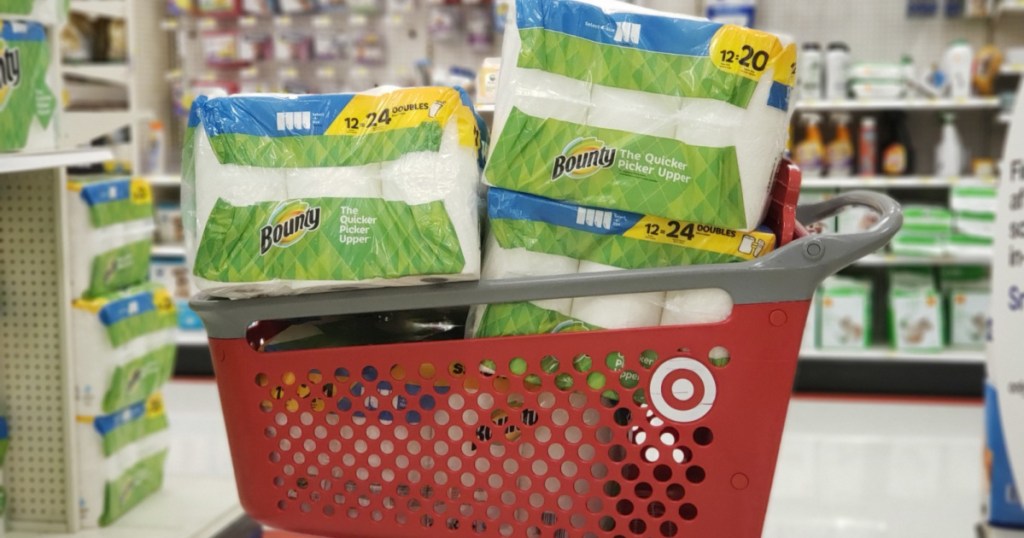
(848, 468)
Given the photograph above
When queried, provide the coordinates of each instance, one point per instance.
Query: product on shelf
(989, 63)
(27, 101)
(814, 196)
(179, 7)
(169, 230)
(121, 460)
(896, 153)
(837, 66)
(839, 155)
(857, 219)
(867, 147)
(949, 155)
(811, 72)
(398, 169)
(701, 145)
(487, 81)
(958, 65)
(809, 154)
(968, 299)
(111, 226)
(533, 236)
(974, 211)
(124, 347)
(221, 48)
(174, 275)
(916, 314)
(259, 7)
(845, 314)
(45, 11)
(218, 8)
(926, 231)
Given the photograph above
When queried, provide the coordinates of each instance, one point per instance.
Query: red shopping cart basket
(670, 431)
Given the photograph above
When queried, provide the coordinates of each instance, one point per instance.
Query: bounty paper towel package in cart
(298, 194)
(605, 104)
(120, 460)
(111, 224)
(27, 102)
(124, 346)
(534, 236)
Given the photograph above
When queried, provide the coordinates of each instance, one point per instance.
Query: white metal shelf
(101, 8)
(25, 162)
(115, 72)
(186, 507)
(169, 251)
(163, 180)
(977, 103)
(485, 109)
(81, 127)
(887, 260)
(1005, 118)
(905, 182)
(970, 356)
(192, 338)
(1012, 69)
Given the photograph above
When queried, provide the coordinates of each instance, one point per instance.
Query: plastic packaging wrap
(299, 194)
(605, 104)
(533, 236)
(124, 347)
(111, 224)
(27, 101)
(120, 460)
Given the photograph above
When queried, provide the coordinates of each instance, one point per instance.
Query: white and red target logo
(683, 390)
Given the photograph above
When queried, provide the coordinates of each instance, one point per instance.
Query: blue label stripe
(668, 35)
(106, 191)
(22, 31)
(193, 113)
(128, 307)
(258, 115)
(108, 423)
(778, 96)
(503, 204)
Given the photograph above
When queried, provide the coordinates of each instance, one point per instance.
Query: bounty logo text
(10, 72)
(583, 158)
(288, 224)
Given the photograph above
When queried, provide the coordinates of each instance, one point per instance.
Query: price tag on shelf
(208, 76)
(321, 21)
(289, 73)
(247, 22)
(357, 20)
(283, 21)
(326, 72)
(250, 72)
(169, 24)
(207, 23)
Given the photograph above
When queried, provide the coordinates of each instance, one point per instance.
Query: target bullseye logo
(683, 390)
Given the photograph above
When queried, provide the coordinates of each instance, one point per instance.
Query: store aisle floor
(847, 469)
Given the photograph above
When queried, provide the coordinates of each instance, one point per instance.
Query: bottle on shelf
(840, 149)
(810, 151)
(810, 72)
(837, 66)
(959, 62)
(897, 154)
(949, 154)
(867, 147)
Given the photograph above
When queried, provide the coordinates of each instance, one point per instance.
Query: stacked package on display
(627, 138)
(916, 314)
(609, 105)
(974, 220)
(845, 314)
(121, 460)
(124, 346)
(300, 194)
(27, 100)
(926, 231)
(111, 223)
(968, 295)
(46, 11)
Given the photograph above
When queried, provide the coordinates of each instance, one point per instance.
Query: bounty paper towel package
(845, 314)
(48, 11)
(27, 102)
(111, 223)
(916, 315)
(121, 460)
(534, 236)
(124, 346)
(298, 194)
(605, 104)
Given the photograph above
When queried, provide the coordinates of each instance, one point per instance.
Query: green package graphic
(615, 169)
(131, 488)
(119, 268)
(16, 7)
(24, 94)
(335, 239)
(521, 319)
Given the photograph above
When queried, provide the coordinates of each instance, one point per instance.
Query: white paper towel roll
(708, 123)
(341, 182)
(238, 185)
(759, 154)
(521, 263)
(641, 113)
(97, 470)
(542, 95)
(696, 307)
(617, 311)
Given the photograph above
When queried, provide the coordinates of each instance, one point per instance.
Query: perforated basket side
(655, 432)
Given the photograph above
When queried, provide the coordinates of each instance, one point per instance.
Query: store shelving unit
(890, 260)
(923, 105)
(956, 356)
(907, 182)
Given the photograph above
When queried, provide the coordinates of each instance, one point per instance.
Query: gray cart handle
(791, 273)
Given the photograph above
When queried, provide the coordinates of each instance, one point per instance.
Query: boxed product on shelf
(218, 8)
(255, 47)
(652, 126)
(293, 47)
(487, 81)
(926, 231)
(970, 246)
(174, 275)
(124, 346)
(831, 224)
(298, 6)
(916, 312)
(982, 199)
(845, 314)
(179, 7)
(968, 300)
(336, 191)
(169, 230)
(121, 460)
(981, 225)
(221, 48)
(111, 224)
(259, 7)
(533, 236)
(27, 101)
